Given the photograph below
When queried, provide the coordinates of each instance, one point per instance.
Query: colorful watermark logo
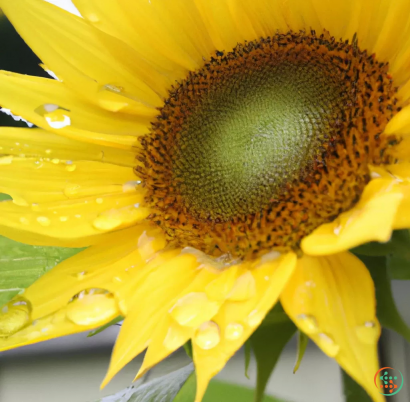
(389, 381)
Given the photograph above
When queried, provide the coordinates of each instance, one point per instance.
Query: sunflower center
(267, 142)
(252, 133)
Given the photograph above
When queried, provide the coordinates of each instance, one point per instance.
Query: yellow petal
(372, 219)
(38, 180)
(111, 265)
(189, 309)
(37, 100)
(400, 123)
(85, 58)
(332, 300)
(217, 340)
(153, 30)
(43, 144)
(71, 223)
(88, 311)
(167, 275)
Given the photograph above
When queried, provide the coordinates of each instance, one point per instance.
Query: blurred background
(70, 369)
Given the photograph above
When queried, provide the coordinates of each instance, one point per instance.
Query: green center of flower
(253, 133)
(266, 142)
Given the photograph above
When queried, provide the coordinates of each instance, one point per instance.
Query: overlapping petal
(39, 143)
(372, 219)
(332, 300)
(85, 58)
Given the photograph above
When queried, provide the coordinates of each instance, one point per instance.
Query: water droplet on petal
(244, 288)
(193, 309)
(92, 309)
(106, 222)
(110, 98)
(328, 345)
(80, 275)
(308, 324)
(207, 335)
(72, 190)
(130, 186)
(272, 256)
(174, 338)
(233, 331)
(43, 221)
(99, 200)
(6, 160)
(48, 151)
(337, 230)
(24, 221)
(255, 318)
(55, 116)
(56, 161)
(63, 218)
(15, 316)
(369, 332)
(70, 167)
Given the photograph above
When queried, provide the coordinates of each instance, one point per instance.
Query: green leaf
(268, 342)
(21, 265)
(104, 327)
(188, 349)
(353, 391)
(188, 391)
(387, 312)
(398, 244)
(303, 341)
(5, 197)
(248, 352)
(223, 392)
(162, 389)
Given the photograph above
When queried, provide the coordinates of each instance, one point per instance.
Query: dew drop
(70, 167)
(174, 339)
(92, 309)
(193, 309)
(369, 332)
(48, 151)
(244, 288)
(308, 324)
(80, 275)
(55, 116)
(337, 230)
(104, 222)
(329, 346)
(207, 335)
(99, 200)
(255, 318)
(6, 160)
(78, 216)
(63, 218)
(130, 186)
(15, 316)
(56, 161)
(43, 221)
(24, 221)
(233, 331)
(72, 190)
(110, 97)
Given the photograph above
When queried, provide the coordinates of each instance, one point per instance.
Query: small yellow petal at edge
(332, 300)
(217, 340)
(87, 311)
(371, 219)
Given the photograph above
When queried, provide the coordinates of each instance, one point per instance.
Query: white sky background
(66, 4)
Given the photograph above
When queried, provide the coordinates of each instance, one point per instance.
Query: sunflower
(216, 157)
